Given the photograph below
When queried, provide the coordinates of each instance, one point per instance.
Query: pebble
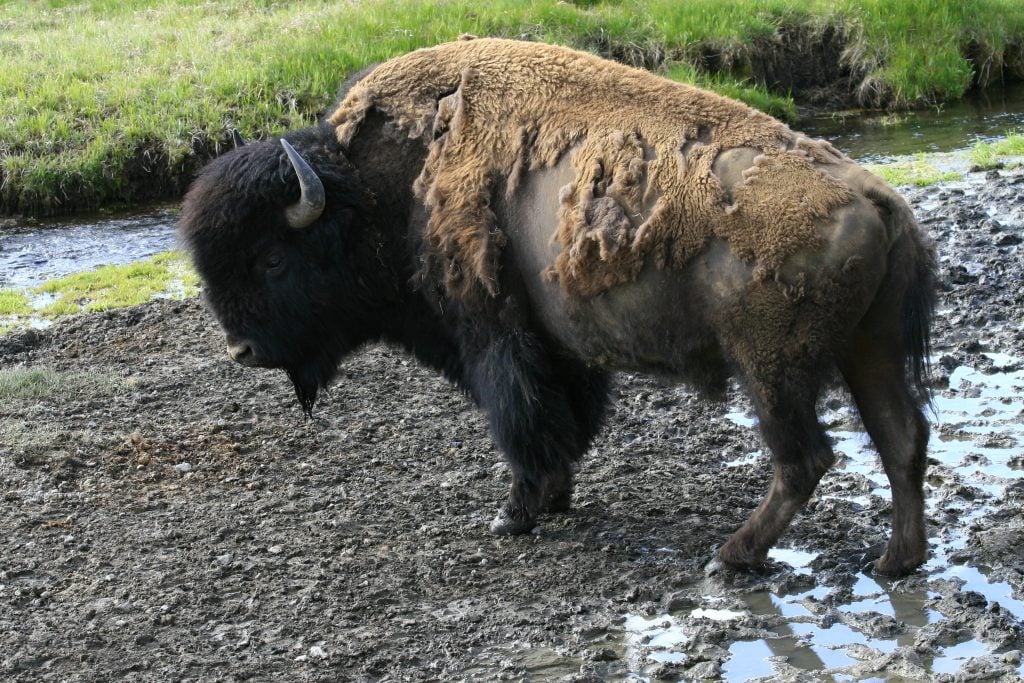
(183, 467)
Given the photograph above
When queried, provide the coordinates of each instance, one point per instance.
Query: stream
(32, 252)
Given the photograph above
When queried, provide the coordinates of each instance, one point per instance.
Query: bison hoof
(735, 556)
(887, 565)
(506, 525)
(715, 567)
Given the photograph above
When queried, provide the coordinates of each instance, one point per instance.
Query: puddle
(33, 253)
(845, 633)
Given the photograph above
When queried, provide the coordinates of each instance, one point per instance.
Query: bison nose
(240, 351)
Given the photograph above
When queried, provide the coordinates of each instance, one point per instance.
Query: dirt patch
(808, 63)
(177, 518)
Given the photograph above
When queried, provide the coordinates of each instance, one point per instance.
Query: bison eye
(273, 262)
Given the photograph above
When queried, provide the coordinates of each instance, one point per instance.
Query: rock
(604, 654)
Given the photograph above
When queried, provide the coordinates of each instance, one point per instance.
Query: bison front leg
(543, 410)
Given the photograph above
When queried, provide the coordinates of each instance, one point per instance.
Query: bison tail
(914, 256)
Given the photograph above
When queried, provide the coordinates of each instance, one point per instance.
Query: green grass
(116, 102)
(13, 302)
(997, 154)
(918, 171)
(37, 383)
(755, 95)
(166, 274)
(29, 383)
(117, 286)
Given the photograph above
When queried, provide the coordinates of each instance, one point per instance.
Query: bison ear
(311, 204)
(237, 138)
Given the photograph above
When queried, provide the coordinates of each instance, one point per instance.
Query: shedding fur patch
(642, 147)
(775, 208)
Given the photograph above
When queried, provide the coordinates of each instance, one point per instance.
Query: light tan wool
(642, 150)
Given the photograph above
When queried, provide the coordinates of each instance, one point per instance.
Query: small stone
(275, 550)
(666, 672)
(709, 670)
(317, 652)
(675, 602)
(184, 467)
(604, 654)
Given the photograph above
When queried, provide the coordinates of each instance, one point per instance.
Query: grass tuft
(118, 286)
(917, 171)
(167, 274)
(13, 302)
(999, 153)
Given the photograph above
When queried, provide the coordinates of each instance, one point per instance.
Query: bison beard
(309, 378)
(307, 385)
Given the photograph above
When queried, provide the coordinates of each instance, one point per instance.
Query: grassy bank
(922, 170)
(110, 102)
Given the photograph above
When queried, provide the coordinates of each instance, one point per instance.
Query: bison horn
(311, 204)
(237, 138)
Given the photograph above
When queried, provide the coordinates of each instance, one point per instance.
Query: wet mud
(169, 515)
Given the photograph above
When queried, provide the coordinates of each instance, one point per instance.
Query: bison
(527, 219)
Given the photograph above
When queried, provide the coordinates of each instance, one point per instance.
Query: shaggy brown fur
(642, 147)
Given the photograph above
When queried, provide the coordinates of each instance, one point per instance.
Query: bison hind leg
(801, 454)
(874, 371)
(544, 410)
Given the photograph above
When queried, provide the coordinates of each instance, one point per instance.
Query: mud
(169, 515)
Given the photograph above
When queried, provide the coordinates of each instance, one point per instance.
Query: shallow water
(37, 251)
(826, 631)
(877, 137)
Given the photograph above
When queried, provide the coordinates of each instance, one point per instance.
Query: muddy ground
(169, 515)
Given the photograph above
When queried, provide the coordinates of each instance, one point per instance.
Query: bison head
(270, 227)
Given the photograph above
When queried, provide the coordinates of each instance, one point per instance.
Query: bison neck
(388, 165)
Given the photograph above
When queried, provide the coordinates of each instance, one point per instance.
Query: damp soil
(169, 515)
